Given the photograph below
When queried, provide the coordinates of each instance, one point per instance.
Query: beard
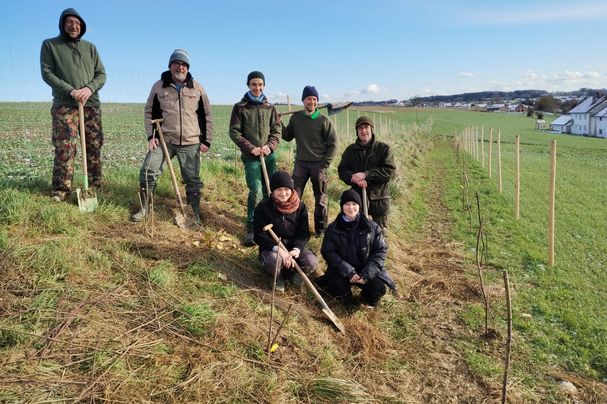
(179, 77)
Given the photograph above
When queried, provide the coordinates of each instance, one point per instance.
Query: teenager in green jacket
(255, 128)
(317, 145)
(73, 69)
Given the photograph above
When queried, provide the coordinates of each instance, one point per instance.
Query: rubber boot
(144, 195)
(194, 201)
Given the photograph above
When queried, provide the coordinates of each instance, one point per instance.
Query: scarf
(288, 207)
(259, 100)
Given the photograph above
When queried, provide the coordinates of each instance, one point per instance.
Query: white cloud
(371, 88)
(467, 74)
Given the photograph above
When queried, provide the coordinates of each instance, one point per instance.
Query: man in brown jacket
(187, 127)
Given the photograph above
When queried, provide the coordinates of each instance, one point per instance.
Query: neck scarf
(288, 207)
(258, 100)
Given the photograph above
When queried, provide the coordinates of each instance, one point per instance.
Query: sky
(349, 50)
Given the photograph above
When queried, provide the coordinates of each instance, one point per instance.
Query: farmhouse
(562, 124)
(581, 115)
(600, 123)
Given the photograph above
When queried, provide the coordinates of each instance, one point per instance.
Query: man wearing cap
(369, 163)
(73, 69)
(255, 128)
(289, 218)
(355, 251)
(187, 126)
(317, 144)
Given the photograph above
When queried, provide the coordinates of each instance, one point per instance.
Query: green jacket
(316, 138)
(68, 65)
(376, 160)
(254, 125)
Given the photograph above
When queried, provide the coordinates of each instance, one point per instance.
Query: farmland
(97, 307)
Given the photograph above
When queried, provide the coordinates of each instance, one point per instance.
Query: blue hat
(179, 55)
(308, 91)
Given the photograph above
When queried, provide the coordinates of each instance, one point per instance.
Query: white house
(600, 123)
(562, 124)
(582, 124)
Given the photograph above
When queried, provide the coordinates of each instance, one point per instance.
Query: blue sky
(350, 50)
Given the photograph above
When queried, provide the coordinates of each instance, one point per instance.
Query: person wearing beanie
(73, 80)
(317, 145)
(289, 218)
(369, 164)
(187, 126)
(355, 251)
(256, 129)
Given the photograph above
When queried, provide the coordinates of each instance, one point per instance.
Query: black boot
(194, 201)
(145, 196)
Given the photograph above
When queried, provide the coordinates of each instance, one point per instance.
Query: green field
(165, 327)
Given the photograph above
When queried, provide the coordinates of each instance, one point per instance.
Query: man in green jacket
(369, 163)
(317, 145)
(255, 128)
(73, 69)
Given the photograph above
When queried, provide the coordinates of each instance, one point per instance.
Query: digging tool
(264, 169)
(272, 305)
(179, 216)
(87, 199)
(332, 109)
(325, 309)
(365, 209)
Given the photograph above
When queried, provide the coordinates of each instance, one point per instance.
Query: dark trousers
(338, 286)
(307, 261)
(316, 173)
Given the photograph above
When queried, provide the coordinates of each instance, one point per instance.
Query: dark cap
(256, 75)
(281, 179)
(349, 195)
(363, 120)
(308, 91)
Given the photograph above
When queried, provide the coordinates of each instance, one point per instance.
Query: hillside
(95, 308)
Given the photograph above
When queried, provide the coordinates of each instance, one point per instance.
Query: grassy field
(96, 307)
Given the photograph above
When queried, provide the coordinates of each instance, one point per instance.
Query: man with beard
(187, 126)
(73, 69)
(317, 145)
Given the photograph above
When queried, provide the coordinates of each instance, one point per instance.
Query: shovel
(325, 309)
(179, 216)
(264, 169)
(87, 199)
(332, 109)
(365, 209)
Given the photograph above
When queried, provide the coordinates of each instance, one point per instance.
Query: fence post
(517, 179)
(499, 160)
(551, 204)
(482, 146)
(490, 146)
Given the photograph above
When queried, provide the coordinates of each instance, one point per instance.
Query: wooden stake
(290, 154)
(551, 204)
(499, 160)
(482, 146)
(476, 150)
(490, 146)
(508, 340)
(517, 179)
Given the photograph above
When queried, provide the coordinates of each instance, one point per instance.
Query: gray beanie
(179, 55)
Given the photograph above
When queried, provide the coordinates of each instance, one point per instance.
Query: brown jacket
(186, 114)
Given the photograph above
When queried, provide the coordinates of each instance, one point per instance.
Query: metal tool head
(87, 200)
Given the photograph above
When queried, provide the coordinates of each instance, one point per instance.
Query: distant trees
(547, 103)
(569, 105)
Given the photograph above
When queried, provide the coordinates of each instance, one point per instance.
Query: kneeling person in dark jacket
(355, 251)
(289, 218)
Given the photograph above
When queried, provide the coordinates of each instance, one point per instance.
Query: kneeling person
(289, 217)
(355, 251)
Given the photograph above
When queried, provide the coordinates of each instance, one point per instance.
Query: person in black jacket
(355, 251)
(369, 163)
(289, 216)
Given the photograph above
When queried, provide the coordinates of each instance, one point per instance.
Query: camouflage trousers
(66, 138)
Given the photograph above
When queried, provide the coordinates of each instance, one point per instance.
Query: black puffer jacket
(293, 229)
(360, 248)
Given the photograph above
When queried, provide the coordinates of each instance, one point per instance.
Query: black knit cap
(308, 91)
(256, 75)
(281, 179)
(349, 195)
(363, 120)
